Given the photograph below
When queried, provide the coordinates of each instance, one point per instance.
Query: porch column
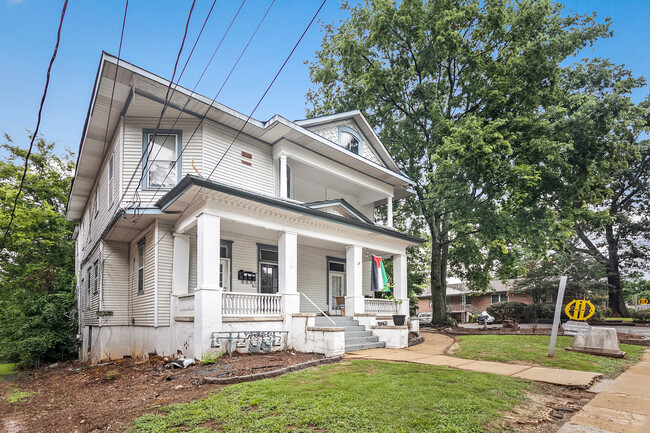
(354, 303)
(181, 264)
(208, 293)
(389, 211)
(283, 177)
(288, 272)
(400, 281)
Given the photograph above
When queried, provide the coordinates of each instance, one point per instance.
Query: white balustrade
(251, 304)
(380, 306)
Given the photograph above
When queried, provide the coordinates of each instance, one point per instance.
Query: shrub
(600, 314)
(111, 375)
(539, 311)
(210, 358)
(641, 315)
(507, 310)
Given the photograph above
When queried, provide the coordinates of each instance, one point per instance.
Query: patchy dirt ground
(75, 398)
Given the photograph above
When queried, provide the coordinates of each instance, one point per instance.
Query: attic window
(350, 139)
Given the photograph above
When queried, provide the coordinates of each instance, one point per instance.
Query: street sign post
(558, 314)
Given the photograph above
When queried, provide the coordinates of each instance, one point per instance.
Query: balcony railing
(380, 306)
(251, 304)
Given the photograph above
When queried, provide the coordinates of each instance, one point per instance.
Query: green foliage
(539, 311)
(358, 396)
(37, 303)
(15, 395)
(112, 374)
(464, 95)
(641, 315)
(533, 349)
(507, 310)
(211, 357)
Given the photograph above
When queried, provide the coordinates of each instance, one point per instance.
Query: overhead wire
(38, 124)
(138, 216)
(245, 123)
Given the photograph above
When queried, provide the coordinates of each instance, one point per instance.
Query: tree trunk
(616, 300)
(438, 279)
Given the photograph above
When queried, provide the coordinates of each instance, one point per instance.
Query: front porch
(271, 280)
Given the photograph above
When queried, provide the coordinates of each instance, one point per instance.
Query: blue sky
(152, 38)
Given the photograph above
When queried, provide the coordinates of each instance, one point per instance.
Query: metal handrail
(322, 312)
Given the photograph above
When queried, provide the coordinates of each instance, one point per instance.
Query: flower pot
(398, 319)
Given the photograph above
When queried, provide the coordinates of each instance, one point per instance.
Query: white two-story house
(195, 236)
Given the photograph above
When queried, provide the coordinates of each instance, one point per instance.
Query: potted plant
(398, 319)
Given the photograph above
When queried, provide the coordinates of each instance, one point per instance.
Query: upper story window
(350, 139)
(161, 152)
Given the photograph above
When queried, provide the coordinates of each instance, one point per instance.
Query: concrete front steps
(356, 336)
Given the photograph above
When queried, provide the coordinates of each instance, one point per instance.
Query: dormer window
(350, 139)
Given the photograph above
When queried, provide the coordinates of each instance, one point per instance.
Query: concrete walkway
(621, 405)
(431, 352)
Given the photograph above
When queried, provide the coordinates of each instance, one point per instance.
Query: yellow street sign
(643, 301)
(577, 309)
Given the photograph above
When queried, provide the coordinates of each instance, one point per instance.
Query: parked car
(425, 318)
(483, 317)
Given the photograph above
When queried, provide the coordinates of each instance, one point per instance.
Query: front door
(337, 289)
(224, 275)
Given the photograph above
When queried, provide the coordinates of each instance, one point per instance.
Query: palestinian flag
(378, 279)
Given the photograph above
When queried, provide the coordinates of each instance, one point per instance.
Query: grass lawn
(618, 319)
(534, 349)
(360, 396)
(6, 369)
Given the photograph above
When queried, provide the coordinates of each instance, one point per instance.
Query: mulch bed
(73, 397)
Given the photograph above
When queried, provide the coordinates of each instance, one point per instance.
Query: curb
(268, 374)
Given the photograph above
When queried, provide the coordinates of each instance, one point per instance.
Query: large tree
(604, 187)
(460, 91)
(37, 283)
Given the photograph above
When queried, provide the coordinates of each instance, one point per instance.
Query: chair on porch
(340, 304)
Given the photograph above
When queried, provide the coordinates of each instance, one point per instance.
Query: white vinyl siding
(133, 147)
(115, 282)
(257, 177)
(165, 262)
(89, 297)
(307, 191)
(142, 304)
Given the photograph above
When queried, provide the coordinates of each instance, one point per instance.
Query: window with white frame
(111, 181)
(499, 297)
(140, 266)
(268, 268)
(95, 207)
(161, 151)
(350, 139)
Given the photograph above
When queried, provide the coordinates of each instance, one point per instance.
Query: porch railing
(380, 306)
(251, 304)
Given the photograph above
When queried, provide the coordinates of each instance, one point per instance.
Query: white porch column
(389, 211)
(288, 272)
(400, 281)
(181, 264)
(208, 293)
(283, 177)
(354, 303)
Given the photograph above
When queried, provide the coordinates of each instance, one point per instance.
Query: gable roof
(134, 82)
(342, 206)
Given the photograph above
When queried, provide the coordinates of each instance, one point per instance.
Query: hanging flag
(378, 279)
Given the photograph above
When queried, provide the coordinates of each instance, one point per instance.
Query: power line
(247, 120)
(117, 66)
(188, 100)
(38, 124)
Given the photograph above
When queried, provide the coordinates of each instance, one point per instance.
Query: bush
(210, 358)
(507, 310)
(641, 315)
(539, 311)
(600, 314)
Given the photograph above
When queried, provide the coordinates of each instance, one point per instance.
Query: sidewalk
(431, 351)
(621, 406)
